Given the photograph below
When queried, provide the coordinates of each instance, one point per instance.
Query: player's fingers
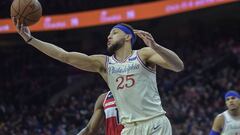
(145, 33)
(148, 35)
(150, 39)
(21, 27)
(18, 25)
(141, 31)
(145, 37)
(24, 28)
(138, 34)
(14, 20)
(136, 31)
(141, 35)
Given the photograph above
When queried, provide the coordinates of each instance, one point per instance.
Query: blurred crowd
(66, 117)
(24, 73)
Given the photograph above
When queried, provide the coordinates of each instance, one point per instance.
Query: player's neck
(235, 113)
(123, 52)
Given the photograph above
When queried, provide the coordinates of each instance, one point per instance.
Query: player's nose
(109, 37)
(231, 101)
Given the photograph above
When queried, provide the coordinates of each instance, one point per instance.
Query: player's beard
(113, 48)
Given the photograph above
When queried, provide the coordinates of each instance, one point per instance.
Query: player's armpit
(92, 63)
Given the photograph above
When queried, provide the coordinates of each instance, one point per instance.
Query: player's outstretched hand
(146, 37)
(23, 31)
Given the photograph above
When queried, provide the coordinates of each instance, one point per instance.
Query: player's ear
(128, 37)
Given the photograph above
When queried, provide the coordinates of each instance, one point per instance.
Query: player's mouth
(232, 105)
(108, 43)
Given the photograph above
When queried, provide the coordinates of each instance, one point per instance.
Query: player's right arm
(97, 118)
(93, 63)
(217, 125)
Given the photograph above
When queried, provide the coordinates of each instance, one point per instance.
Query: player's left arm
(97, 118)
(217, 125)
(157, 54)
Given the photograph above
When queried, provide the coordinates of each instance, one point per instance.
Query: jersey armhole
(105, 98)
(144, 65)
(106, 63)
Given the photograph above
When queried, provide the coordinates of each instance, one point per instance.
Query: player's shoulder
(219, 120)
(218, 123)
(101, 60)
(220, 117)
(99, 57)
(102, 96)
(100, 100)
(145, 52)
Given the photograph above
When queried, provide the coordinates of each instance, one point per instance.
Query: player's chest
(124, 68)
(233, 126)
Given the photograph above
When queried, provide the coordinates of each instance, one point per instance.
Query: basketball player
(228, 122)
(105, 104)
(130, 75)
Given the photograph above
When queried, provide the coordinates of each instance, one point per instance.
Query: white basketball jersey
(134, 88)
(231, 125)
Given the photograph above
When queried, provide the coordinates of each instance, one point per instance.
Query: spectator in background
(228, 122)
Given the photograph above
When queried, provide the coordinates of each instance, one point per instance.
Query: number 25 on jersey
(126, 81)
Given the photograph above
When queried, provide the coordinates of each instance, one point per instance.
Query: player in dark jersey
(105, 108)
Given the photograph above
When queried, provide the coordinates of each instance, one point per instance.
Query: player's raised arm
(94, 63)
(157, 54)
(97, 118)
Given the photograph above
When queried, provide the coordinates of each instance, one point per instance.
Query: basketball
(27, 11)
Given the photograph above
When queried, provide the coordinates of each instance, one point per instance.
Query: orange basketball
(27, 11)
